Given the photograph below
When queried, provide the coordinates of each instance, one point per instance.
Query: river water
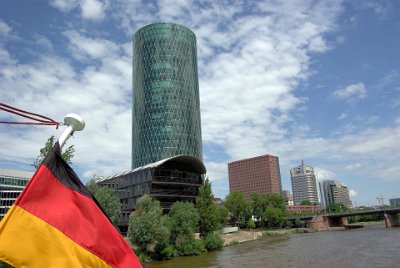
(366, 247)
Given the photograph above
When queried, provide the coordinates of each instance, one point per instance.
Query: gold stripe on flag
(42, 245)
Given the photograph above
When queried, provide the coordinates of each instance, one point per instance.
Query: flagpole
(74, 123)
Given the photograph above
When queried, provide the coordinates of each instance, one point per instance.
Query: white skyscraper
(304, 184)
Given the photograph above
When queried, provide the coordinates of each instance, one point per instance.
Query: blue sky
(304, 80)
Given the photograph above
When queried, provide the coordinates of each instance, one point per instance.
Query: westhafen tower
(166, 107)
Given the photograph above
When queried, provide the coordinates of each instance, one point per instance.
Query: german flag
(57, 222)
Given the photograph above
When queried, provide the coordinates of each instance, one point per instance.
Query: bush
(168, 252)
(213, 241)
(189, 246)
(251, 224)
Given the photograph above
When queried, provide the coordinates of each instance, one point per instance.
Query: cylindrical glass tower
(166, 107)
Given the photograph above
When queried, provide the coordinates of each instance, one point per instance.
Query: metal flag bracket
(74, 123)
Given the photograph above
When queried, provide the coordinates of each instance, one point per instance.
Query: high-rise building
(288, 197)
(259, 174)
(334, 192)
(304, 184)
(166, 106)
(12, 182)
(394, 202)
(166, 128)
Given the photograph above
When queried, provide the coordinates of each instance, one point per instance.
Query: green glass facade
(166, 107)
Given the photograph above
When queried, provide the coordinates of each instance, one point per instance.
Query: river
(366, 247)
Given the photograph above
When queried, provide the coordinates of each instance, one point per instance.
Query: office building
(334, 192)
(166, 106)
(166, 132)
(288, 197)
(169, 180)
(394, 202)
(12, 182)
(259, 174)
(304, 184)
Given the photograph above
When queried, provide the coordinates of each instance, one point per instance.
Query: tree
(147, 228)
(222, 215)
(257, 205)
(237, 206)
(108, 199)
(207, 209)
(183, 220)
(67, 154)
(273, 217)
(275, 200)
(251, 224)
(334, 207)
(305, 203)
(183, 223)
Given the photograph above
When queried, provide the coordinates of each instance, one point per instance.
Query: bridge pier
(391, 220)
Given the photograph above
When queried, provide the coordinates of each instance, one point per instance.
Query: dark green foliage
(335, 208)
(251, 224)
(237, 206)
(168, 252)
(273, 217)
(297, 223)
(222, 216)
(257, 205)
(147, 228)
(213, 241)
(269, 210)
(305, 203)
(182, 221)
(366, 218)
(108, 199)
(209, 218)
(275, 200)
(67, 154)
(189, 246)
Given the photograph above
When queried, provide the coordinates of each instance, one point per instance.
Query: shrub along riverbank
(156, 236)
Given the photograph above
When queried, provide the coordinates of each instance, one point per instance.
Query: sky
(302, 80)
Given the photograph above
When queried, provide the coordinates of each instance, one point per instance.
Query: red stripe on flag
(77, 216)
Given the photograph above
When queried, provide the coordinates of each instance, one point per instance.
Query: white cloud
(90, 9)
(93, 9)
(324, 174)
(353, 193)
(83, 47)
(354, 166)
(342, 116)
(381, 8)
(64, 5)
(43, 41)
(351, 92)
(5, 29)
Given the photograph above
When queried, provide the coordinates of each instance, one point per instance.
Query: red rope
(40, 119)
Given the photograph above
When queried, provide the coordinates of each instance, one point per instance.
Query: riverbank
(250, 235)
(365, 247)
(242, 236)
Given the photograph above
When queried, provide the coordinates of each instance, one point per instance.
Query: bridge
(340, 219)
